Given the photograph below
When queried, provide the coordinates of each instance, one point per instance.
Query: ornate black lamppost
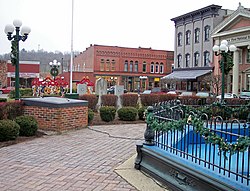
(9, 29)
(226, 63)
(54, 68)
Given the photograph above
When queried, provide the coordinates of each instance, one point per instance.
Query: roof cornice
(212, 8)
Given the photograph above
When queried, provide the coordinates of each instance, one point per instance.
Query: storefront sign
(239, 39)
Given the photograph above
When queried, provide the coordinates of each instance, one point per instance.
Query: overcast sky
(126, 23)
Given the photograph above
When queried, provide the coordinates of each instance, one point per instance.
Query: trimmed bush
(28, 125)
(127, 113)
(141, 113)
(90, 116)
(149, 99)
(109, 100)
(3, 100)
(24, 92)
(107, 113)
(9, 130)
(14, 109)
(129, 100)
(92, 100)
(3, 110)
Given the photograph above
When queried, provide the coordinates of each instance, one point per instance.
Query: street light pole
(9, 29)
(223, 51)
(54, 68)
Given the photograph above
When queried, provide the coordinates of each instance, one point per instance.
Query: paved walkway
(76, 160)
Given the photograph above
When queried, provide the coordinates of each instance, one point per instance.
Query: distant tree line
(43, 57)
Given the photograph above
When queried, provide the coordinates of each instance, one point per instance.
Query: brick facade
(122, 65)
(55, 117)
(3, 72)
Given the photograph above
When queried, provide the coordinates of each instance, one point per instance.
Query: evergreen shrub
(107, 113)
(9, 130)
(127, 113)
(28, 125)
(90, 115)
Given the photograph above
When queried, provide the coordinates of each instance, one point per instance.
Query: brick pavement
(76, 160)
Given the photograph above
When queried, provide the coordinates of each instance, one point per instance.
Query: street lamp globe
(232, 48)
(216, 48)
(9, 29)
(17, 23)
(223, 47)
(25, 30)
(224, 42)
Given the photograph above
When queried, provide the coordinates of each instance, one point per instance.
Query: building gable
(239, 20)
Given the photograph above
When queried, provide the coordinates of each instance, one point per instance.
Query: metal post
(149, 133)
(223, 77)
(16, 39)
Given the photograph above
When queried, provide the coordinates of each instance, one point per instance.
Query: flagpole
(71, 55)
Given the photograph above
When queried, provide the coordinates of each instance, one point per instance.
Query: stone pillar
(235, 88)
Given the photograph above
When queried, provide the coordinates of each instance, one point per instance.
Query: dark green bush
(3, 110)
(92, 100)
(90, 116)
(24, 92)
(3, 100)
(28, 125)
(127, 113)
(109, 100)
(107, 113)
(14, 109)
(129, 100)
(141, 112)
(9, 130)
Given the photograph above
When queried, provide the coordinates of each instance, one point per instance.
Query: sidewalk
(76, 160)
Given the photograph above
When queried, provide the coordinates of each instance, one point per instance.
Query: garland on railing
(242, 144)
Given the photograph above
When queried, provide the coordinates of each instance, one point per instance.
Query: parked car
(227, 95)
(111, 90)
(172, 92)
(187, 94)
(245, 95)
(156, 90)
(146, 92)
(6, 90)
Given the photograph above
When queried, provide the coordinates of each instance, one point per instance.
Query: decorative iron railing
(217, 145)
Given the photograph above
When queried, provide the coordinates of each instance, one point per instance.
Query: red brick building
(27, 72)
(132, 67)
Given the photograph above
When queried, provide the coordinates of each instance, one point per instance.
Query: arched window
(144, 67)
(179, 60)
(197, 35)
(136, 66)
(187, 60)
(196, 58)
(102, 65)
(126, 66)
(113, 65)
(161, 68)
(206, 58)
(107, 65)
(206, 33)
(188, 36)
(156, 67)
(152, 67)
(179, 39)
(131, 66)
